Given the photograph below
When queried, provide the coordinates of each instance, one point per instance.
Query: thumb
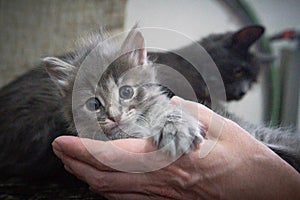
(212, 122)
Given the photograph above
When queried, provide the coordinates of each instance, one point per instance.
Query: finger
(71, 144)
(128, 196)
(138, 184)
(134, 196)
(76, 172)
(81, 170)
(74, 147)
(104, 181)
(199, 111)
(129, 155)
(119, 182)
(213, 123)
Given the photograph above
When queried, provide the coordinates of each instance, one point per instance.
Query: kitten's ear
(59, 71)
(245, 37)
(135, 44)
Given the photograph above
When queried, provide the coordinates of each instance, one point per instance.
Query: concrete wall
(31, 29)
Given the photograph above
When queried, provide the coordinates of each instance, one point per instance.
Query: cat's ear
(59, 71)
(246, 36)
(135, 45)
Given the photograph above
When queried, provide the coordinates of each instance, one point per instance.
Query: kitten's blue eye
(93, 104)
(126, 92)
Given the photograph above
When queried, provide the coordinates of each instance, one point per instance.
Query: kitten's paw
(179, 136)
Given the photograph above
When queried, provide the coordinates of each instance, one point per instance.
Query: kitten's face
(119, 102)
(238, 67)
(110, 102)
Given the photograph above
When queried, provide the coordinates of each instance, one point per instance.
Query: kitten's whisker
(142, 121)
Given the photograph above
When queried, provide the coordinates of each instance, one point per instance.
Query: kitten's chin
(109, 125)
(115, 133)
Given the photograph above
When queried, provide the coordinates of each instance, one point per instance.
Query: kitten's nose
(113, 114)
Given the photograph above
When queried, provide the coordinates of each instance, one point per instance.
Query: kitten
(126, 101)
(230, 51)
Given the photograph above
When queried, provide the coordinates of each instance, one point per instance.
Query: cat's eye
(93, 104)
(126, 92)
(238, 72)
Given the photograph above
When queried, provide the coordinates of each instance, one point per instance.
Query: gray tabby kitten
(126, 101)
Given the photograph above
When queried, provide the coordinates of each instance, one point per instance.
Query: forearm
(269, 178)
(283, 141)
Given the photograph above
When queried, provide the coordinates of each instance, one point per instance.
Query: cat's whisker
(142, 121)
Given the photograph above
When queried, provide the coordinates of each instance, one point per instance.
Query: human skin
(236, 167)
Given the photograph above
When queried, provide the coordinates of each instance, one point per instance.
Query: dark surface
(23, 191)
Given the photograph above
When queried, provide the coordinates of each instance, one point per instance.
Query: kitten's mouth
(109, 125)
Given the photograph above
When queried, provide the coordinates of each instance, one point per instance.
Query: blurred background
(32, 29)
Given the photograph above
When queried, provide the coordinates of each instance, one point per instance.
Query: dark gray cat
(126, 101)
(231, 53)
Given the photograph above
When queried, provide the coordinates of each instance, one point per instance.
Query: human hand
(230, 165)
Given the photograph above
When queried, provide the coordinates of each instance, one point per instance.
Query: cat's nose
(113, 113)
